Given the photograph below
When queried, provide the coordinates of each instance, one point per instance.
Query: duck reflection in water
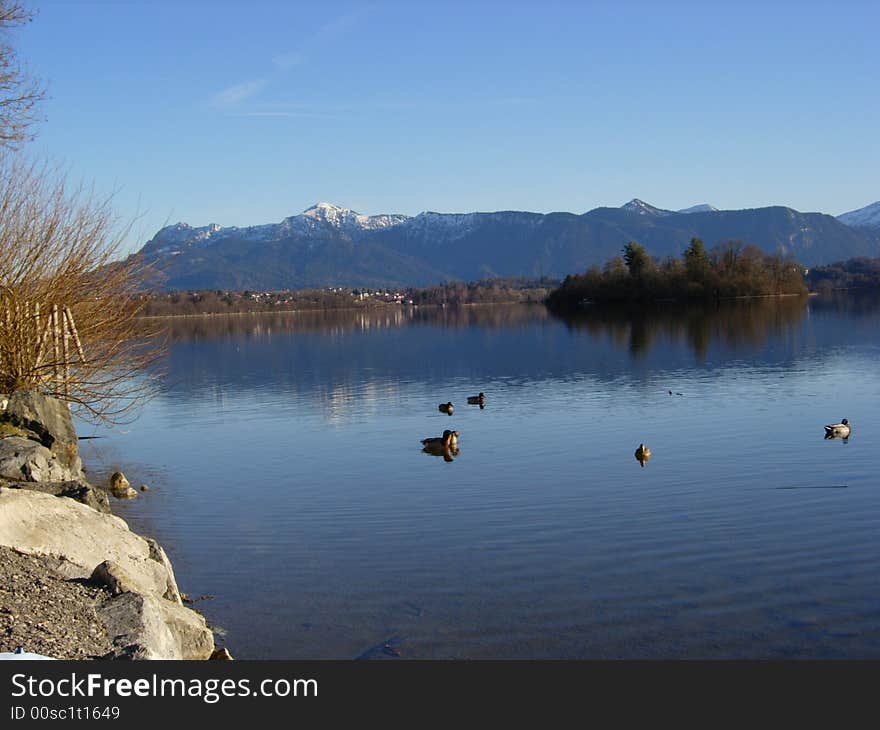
(445, 445)
(643, 454)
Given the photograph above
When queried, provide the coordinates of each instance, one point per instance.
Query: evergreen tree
(696, 261)
(637, 259)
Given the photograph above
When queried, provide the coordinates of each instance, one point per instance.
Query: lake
(288, 481)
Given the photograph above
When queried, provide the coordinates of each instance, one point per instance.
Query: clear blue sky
(244, 113)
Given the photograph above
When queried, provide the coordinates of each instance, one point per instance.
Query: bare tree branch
(20, 93)
(59, 248)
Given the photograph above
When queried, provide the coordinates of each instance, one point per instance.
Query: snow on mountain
(439, 228)
(318, 221)
(346, 219)
(445, 222)
(701, 208)
(325, 222)
(867, 217)
(170, 239)
(642, 208)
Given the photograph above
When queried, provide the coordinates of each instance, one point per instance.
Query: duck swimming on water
(445, 446)
(643, 453)
(447, 408)
(841, 429)
(476, 400)
(449, 438)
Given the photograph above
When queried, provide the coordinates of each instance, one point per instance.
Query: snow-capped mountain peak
(170, 239)
(642, 208)
(867, 217)
(329, 213)
(701, 208)
(345, 218)
(184, 231)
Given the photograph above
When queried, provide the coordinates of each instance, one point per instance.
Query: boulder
(37, 523)
(22, 459)
(78, 490)
(50, 422)
(157, 553)
(120, 487)
(113, 577)
(147, 627)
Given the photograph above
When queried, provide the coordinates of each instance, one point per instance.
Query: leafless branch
(60, 269)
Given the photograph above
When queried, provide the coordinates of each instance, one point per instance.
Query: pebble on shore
(46, 613)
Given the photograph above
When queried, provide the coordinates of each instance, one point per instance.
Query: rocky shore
(75, 582)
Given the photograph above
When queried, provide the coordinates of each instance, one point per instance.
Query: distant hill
(867, 217)
(327, 245)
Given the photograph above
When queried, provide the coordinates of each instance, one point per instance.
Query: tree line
(208, 301)
(731, 269)
(857, 273)
(486, 291)
(216, 301)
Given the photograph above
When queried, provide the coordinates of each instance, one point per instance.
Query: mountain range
(328, 245)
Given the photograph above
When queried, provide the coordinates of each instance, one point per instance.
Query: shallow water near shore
(288, 481)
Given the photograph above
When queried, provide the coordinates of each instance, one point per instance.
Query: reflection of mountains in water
(340, 358)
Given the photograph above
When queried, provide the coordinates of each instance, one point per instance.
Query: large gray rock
(37, 523)
(146, 627)
(49, 420)
(22, 459)
(78, 490)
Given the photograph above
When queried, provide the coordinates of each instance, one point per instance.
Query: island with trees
(729, 270)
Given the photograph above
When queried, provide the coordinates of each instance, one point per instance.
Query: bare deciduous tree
(59, 248)
(20, 94)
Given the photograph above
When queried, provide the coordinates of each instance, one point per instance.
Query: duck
(449, 439)
(445, 446)
(447, 408)
(838, 429)
(643, 453)
(476, 400)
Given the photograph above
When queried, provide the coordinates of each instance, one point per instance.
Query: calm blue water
(288, 482)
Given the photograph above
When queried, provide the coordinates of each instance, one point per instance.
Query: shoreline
(629, 304)
(77, 582)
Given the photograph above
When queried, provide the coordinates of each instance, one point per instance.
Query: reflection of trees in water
(348, 363)
(853, 303)
(732, 323)
(212, 327)
(495, 316)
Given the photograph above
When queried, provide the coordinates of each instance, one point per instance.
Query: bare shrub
(59, 253)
